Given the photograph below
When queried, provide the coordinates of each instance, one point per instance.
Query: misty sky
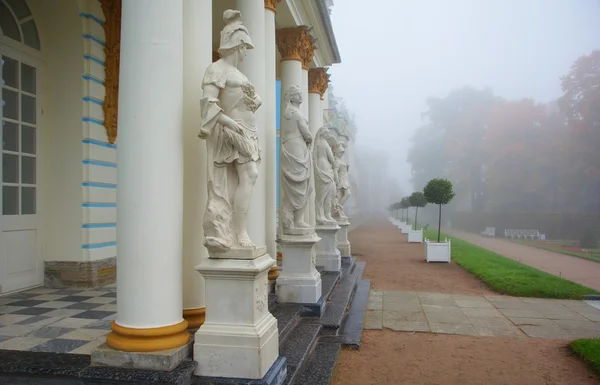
(396, 53)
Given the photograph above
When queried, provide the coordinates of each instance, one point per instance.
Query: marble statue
(343, 186)
(228, 124)
(295, 162)
(325, 178)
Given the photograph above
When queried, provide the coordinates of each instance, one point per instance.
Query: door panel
(20, 257)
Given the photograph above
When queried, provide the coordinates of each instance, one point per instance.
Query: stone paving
(489, 315)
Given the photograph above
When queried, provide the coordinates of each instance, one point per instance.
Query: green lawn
(594, 255)
(508, 276)
(589, 350)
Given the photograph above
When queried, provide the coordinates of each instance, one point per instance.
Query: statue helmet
(234, 33)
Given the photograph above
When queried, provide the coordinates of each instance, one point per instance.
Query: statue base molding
(300, 282)
(239, 338)
(343, 244)
(327, 254)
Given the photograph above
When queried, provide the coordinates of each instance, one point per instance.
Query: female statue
(229, 126)
(295, 162)
(343, 185)
(325, 178)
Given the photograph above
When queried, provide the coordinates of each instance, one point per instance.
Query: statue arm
(303, 127)
(212, 113)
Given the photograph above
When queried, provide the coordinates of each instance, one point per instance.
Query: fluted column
(150, 179)
(270, 147)
(253, 66)
(197, 42)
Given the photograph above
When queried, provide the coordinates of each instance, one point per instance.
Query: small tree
(417, 199)
(439, 192)
(404, 204)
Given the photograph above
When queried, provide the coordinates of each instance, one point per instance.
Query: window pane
(10, 168)
(19, 7)
(10, 136)
(28, 78)
(8, 24)
(27, 200)
(10, 200)
(28, 109)
(30, 34)
(27, 170)
(28, 143)
(10, 72)
(10, 104)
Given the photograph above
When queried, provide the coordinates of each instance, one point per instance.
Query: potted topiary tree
(404, 205)
(417, 199)
(439, 192)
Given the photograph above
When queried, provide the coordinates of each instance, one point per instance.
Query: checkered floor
(57, 320)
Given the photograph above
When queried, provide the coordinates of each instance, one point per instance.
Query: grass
(508, 276)
(589, 351)
(593, 255)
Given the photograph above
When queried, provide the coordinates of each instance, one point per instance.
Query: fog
(395, 54)
(473, 91)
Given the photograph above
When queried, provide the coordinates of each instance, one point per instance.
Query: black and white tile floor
(57, 320)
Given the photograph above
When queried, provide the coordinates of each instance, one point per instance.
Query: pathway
(574, 269)
(437, 324)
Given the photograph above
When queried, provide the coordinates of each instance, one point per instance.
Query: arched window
(16, 23)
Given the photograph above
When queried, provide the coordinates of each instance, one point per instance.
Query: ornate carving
(261, 295)
(112, 51)
(272, 5)
(291, 42)
(307, 52)
(318, 81)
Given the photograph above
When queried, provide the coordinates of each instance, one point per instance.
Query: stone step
(297, 347)
(320, 365)
(288, 316)
(340, 298)
(353, 325)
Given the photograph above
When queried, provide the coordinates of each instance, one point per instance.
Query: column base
(275, 376)
(148, 340)
(165, 360)
(299, 282)
(274, 273)
(239, 338)
(328, 256)
(194, 317)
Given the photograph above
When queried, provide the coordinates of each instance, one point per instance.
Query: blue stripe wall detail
(92, 17)
(99, 205)
(99, 163)
(98, 245)
(99, 143)
(98, 225)
(94, 39)
(92, 100)
(93, 79)
(94, 59)
(92, 120)
(99, 185)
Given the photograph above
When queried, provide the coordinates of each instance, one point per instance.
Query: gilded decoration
(272, 5)
(292, 42)
(307, 52)
(112, 51)
(318, 79)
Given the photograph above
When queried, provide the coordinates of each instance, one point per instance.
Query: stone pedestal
(327, 253)
(239, 338)
(299, 282)
(343, 244)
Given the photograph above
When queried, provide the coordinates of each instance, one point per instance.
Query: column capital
(307, 52)
(292, 42)
(272, 5)
(318, 80)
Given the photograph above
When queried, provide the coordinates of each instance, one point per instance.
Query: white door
(20, 251)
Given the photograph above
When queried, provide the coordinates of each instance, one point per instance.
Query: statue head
(235, 38)
(293, 94)
(324, 133)
(339, 150)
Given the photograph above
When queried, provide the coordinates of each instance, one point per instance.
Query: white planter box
(415, 236)
(405, 228)
(437, 251)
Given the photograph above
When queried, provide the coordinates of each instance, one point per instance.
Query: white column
(304, 85)
(315, 114)
(150, 174)
(197, 42)
(270, 147)
(253, 66)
